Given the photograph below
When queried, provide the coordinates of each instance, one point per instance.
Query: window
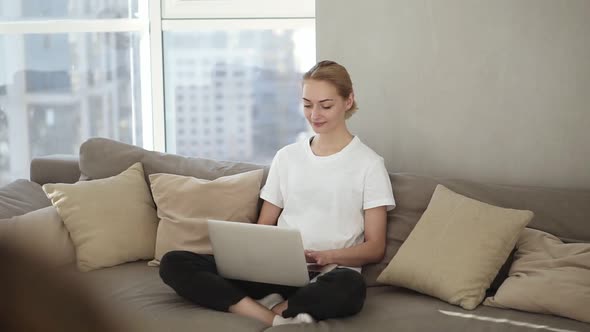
(4, 147)
(62, 82)
(75, 69)
(28, 10)
(250, 56)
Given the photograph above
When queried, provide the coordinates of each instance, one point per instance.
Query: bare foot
(249, 308)
(279, 308)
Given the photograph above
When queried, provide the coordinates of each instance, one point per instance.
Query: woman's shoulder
(290, 150)
(367, 153)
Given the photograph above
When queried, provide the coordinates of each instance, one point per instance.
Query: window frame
(232, 9)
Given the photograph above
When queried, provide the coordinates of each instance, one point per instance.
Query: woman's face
(324, 108)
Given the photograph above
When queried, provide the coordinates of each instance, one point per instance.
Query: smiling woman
(334, 190)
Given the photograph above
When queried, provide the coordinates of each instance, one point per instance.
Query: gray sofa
(137, 290)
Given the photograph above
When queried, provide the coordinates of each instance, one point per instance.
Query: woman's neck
(330, 143)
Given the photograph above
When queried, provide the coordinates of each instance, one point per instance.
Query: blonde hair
(337, 75)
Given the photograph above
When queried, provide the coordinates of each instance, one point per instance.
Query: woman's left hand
(318, 257)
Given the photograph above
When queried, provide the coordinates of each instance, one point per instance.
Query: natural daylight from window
(75, 69)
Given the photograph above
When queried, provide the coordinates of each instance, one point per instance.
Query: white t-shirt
(325, 197)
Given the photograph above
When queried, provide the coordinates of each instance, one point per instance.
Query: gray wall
(496, 90)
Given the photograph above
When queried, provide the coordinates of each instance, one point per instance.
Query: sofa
(136, 291)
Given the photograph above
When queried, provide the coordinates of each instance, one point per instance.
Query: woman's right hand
(322, 258)
(308, 257)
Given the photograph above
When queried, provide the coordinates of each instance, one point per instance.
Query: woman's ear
(350, 100)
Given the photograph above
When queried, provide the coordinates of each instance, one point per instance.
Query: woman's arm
(269, 214)
(370, 251)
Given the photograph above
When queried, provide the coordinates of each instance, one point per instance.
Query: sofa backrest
(20, 197)
(562, 212)
(101, 158)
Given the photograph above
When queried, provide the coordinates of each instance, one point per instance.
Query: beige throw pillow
(111, 221)
(456, 248)
(40, 233)
(185, 203)
(547, 276)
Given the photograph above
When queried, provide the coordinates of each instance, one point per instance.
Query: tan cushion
(111, 221)
(42, 233)
(456, 248)
(548, 277)
(185, 203)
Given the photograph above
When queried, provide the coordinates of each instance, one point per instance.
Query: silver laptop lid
(260, 253)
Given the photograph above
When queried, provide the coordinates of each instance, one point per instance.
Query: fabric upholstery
(185, 203)
(41, 233)
(94, 165)
(55, 169)
(456, 249)
(562, 212)
(20, 197)
(547, 276)
(111, 221)
(139, 289)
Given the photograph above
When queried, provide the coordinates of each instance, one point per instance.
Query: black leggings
(338, 293)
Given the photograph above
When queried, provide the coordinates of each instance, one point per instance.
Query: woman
(332, 188)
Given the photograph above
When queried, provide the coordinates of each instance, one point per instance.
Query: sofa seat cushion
(137, 289)
(40, 232)
(20, 197)
(397, 309)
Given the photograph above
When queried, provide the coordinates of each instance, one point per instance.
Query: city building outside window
(219, 74)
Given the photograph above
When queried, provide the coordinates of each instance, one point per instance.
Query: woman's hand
(370, 251)
(318, 257)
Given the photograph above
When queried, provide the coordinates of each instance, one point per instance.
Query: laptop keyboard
(313, 274)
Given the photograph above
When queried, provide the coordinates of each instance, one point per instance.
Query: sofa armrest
(55, 169)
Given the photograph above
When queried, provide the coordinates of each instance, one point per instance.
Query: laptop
(261, 253)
